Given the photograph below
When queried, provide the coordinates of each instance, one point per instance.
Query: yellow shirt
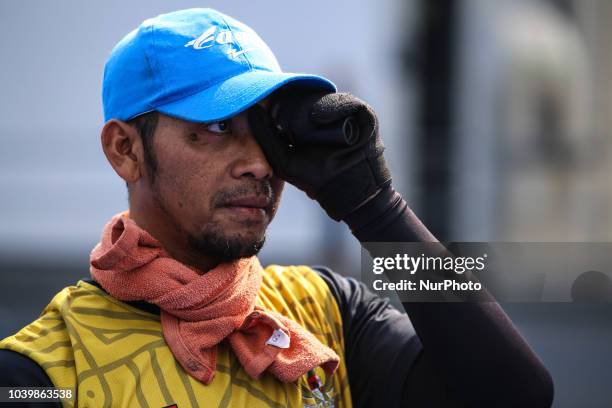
(114, 355)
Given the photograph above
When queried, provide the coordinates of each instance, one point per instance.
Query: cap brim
(236, 94)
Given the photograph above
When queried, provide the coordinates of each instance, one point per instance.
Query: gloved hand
(340, 177)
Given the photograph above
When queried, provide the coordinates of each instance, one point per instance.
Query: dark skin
(213, 185)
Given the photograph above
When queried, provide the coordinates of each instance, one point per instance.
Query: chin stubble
(212, 240)
(215, 243)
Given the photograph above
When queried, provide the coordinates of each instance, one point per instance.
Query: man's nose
(252, 162)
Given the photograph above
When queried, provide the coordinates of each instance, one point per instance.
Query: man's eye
(222, 126)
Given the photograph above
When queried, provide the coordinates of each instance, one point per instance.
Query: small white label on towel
(279, 339)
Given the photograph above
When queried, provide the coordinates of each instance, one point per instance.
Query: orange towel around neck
(198, 311)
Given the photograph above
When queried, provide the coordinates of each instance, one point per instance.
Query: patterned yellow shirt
(114, 355)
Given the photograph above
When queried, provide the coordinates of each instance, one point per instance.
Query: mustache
(259, 189)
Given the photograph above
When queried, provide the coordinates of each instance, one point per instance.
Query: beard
(212, 240)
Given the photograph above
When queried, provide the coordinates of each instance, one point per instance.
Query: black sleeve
(380, 343)
(17, 370)
(384, 356)
(472, 350)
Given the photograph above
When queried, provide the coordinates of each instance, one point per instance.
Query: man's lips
(254, 208)
(250, 202)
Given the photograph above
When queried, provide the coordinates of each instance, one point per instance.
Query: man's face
(213, 185)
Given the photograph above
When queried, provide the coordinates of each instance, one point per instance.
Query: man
(205, 129)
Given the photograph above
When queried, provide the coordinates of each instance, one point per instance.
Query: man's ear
(122, 146)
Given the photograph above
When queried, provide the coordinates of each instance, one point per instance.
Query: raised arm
(472, 353)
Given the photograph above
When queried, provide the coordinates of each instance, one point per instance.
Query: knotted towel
(198, 311)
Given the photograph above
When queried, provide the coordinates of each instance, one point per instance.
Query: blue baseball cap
(198, 65)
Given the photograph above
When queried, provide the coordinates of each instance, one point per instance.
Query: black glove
(340, 177)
